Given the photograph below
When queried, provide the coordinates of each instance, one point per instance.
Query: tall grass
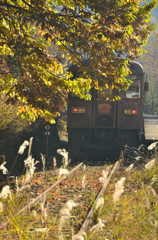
(128, 210)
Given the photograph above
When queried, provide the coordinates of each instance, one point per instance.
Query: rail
(89, 214)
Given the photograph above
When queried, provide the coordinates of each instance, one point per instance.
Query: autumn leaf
(39, 41)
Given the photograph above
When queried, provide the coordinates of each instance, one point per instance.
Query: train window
(134, 87)
(103, 94)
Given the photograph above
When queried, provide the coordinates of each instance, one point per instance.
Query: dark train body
(101, 124)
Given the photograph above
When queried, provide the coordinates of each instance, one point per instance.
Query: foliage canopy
(39, 38)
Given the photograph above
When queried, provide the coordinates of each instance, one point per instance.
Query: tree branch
(13, 6)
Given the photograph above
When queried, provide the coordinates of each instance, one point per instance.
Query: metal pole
(47, 144)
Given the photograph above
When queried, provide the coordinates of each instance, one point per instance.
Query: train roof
(135, 67)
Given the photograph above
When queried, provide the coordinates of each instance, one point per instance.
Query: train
(100, 124)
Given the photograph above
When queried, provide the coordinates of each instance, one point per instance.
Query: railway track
(65, 206)
(72, 190)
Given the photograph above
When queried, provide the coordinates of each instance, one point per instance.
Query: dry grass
(132, 216)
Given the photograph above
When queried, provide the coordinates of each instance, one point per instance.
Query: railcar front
(100, 124)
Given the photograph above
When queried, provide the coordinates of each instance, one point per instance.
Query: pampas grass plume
(128, 169)
(29, 163)
(65, 211)
(119, 189)
(104, 176)
(3, 168)
(63, 171)
(79, 236)
(99, 202)
(98, 227)
(64, 215)
(54, 162)
(1, 207)
(152, 146)
(65, 156)
(150, 164)
(70, 204)
(84, 182)
(22, 147)
(43, 158)
(6, 192)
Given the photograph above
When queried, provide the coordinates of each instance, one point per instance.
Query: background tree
(9, 118)
(149, 61)
(108, 33)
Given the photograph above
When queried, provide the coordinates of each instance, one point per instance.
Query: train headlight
(78, 110)
(131, 111)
